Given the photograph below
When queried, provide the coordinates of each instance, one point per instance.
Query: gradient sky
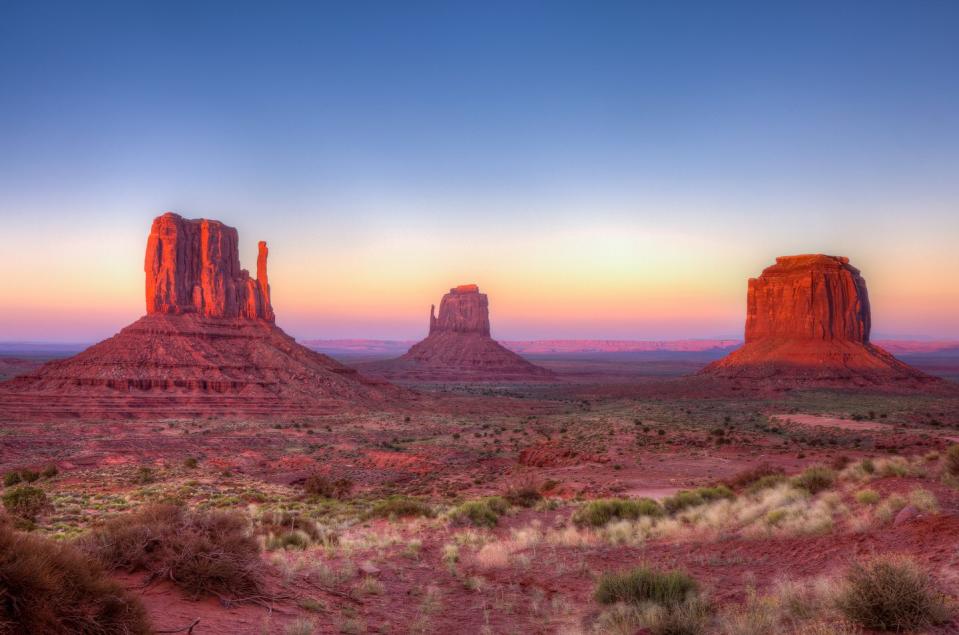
(600, 169)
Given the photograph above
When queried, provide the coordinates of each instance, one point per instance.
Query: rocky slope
(459, 346)
(208, 345)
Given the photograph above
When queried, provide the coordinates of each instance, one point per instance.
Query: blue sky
(389, 150)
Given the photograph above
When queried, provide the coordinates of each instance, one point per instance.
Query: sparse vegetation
(645, 584)
(600, 512)
(891, 594)
(484, 512)
(691, 498)
(204, 553)
(25, 501)
(400, 507)
(815, 479)
(51, 587)
(319, 485)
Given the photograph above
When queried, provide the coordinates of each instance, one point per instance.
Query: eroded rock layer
(459, 346)
(207, 346)
(193, 266)
(808, 320)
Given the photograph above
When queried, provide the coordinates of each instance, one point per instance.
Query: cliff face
(808, 297)
(463, 310)
(207, 346)
(808, 321)
(459, 346)
(193, 266)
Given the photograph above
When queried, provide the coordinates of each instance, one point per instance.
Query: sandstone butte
(459, 346)
(207, 345)
(808, 320)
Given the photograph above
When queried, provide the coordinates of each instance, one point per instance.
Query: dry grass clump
(692, 498)
(747, 478)
(815, 479)
(319, 485)
(484, 512)
(952, 460)
(644, 584)
(51, 587)
(599, 512)
(401, 507)
(891, 594)
(525, 493)
(662, 602)
(201, 552)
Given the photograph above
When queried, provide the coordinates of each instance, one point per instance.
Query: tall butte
(808, 321)
(207, 345)
(459, 346)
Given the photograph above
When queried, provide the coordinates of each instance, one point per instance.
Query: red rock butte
(459, 346)
(808, 320)
(208, 345)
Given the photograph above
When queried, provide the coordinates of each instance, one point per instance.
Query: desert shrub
(867, 497)
(891, 594)
(29, 476)
(601, 511)
(766, 482)
(50, 471)
(815, 479)
(401, 507)
(484, 512)
(691, 498)
(287, 540)
(25, 501)
(525, 494)
(144, 475)
(644, 584)
(868, 466)
(11, 478)
(52, 587)
(744, 479)
(319, 485)
(952, 460)
(689, 617)
(190, 462)
(203, 553)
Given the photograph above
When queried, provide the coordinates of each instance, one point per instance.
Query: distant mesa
(808, 320)
(459, 346)
(207, 345)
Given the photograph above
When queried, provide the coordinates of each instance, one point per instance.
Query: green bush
(29, 476)
(643, 584)
(319, 485)
(11, 478)
(50, 471)
(484, 512)
(51, 587)
(401, 507)
(891, 594)
(601, 511)
(523, 495)
(691, 498)
(815, 479)
(190, 462)
(25, 501)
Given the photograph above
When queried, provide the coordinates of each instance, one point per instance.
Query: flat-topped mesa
(193, 266)
(810, 296)
(463, 310)
(807, 324)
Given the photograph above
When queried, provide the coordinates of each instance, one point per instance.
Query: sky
(601, 169)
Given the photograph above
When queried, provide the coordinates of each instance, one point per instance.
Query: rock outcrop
(208, 345)
(459, 347)
(808, 320)
(193, 266)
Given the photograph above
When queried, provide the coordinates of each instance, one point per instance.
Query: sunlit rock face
(463, 310)
(193, 266)
(808, 320)
(208, 345)
(808, 297)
